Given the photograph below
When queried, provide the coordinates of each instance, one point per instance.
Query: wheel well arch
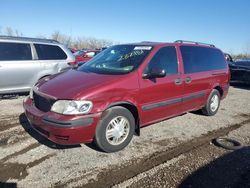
(44, 76)
(133, 109)
(219, 88)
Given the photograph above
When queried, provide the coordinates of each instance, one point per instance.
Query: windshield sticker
(143, 48)
(132, 54)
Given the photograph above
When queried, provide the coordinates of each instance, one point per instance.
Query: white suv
(23, 61)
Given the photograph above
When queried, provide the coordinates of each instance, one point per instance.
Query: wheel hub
(214, 103)
(117, 130)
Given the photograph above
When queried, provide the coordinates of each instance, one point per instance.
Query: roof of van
(150, 43)
(28, 39)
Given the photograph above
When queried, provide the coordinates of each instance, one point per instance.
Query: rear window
(50, 52)
(15, 51)
(199, 59)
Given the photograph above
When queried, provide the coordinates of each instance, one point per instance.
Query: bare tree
(18, 33)
(55, 35)
(247, 48)
(9, 31)
(41, 36)
(65, 39)
(80, 42)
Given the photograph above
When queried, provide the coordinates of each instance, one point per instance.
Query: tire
(224, 143)
(115, 129)
(212, 104)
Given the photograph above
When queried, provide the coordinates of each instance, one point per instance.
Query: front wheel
(115, 129)
(212, 104)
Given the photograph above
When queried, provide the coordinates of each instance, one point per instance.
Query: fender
(137, 115)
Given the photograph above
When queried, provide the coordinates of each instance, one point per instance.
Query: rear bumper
(62, 129)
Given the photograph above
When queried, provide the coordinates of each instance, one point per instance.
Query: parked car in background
(109, 98)
(73, 50)
(85, 55)
(80, 63)
(23, 61)
(240, 71)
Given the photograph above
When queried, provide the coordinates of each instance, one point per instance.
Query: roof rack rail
(145, 41)
(193, 42)
(28, 39)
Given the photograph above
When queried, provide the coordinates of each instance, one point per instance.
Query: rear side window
(50, 52)
(199, 59)
(165, 59)
(15, 51)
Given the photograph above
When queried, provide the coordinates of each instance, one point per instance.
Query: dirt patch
(126, 171)
(206, 166)
(30, 147)
(8, 122)
(7, 126)
(18, 171)
(244, 115)
(13, 171)
(13, 137)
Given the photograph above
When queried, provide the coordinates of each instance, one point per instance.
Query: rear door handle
(178, 81)
(188, 80)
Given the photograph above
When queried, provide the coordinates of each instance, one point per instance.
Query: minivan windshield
(119, 59)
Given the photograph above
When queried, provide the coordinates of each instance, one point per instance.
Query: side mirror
(154, 73)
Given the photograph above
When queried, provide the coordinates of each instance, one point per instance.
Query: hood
(75, 84)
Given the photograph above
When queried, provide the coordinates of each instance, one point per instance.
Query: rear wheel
(115, 130)
(212, 104)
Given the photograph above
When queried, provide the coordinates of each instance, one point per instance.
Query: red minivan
(125, 87)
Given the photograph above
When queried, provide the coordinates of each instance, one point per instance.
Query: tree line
(93, 43)
(69, 41)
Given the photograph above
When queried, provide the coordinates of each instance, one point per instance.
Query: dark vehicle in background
(85, 55)
(240, 71)
(125, 87)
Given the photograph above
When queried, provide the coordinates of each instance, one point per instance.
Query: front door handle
(178, 81)
(188, 80)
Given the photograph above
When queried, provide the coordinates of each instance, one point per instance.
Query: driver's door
(161, 98)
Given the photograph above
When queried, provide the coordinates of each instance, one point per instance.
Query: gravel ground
(31, 160)
(204, 167)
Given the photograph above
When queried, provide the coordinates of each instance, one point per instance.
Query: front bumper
(62, 129)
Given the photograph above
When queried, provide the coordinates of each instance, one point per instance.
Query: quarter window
(199, 59)
(15, 51)
(50, 52)
(165, 59)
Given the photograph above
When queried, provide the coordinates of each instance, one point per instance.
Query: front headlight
(72, 107)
